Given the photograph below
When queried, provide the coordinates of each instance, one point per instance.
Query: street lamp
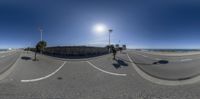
(41, 32)
(110, 31)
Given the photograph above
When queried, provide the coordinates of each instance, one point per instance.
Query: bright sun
(99, 28)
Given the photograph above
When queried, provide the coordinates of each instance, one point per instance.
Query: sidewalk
(34, 69)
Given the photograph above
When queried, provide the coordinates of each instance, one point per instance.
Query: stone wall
(75, 51)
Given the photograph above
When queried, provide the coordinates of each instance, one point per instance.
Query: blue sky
(137, 23)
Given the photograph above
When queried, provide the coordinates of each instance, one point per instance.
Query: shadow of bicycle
(120, 63)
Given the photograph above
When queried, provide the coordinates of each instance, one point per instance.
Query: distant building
(117, 46)
(124, 47)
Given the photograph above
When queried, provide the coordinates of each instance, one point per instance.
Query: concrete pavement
(81, 80)
(176, 68)
(7, 59)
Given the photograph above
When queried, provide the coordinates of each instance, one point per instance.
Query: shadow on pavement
(161, 62)
(119, 64)
(140, 63)
(26, 58)
(124, 60)
(154, 63)
(135, 62)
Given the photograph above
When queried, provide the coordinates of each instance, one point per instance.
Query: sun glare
(99, 28)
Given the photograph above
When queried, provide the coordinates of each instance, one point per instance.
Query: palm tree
(41, 45)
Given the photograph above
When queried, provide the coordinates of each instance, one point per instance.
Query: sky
(136, 23)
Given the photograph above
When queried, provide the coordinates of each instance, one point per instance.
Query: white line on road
(7, 72)
(45, 77)
(157, 58)
(8, 55)
(149, 57)
(162, 81)
(183, 60)
(130, 59)
(141, 55)
(144, 56)
(116, 74)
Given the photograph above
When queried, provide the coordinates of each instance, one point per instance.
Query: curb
(159, 81)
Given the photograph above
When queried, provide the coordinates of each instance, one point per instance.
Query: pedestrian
(114, 53)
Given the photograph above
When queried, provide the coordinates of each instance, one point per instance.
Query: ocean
(3, 50)
(170, 50)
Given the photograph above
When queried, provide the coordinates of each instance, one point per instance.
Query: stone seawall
(75, 51)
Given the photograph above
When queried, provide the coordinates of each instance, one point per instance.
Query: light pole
(110, 31)
(41, 32)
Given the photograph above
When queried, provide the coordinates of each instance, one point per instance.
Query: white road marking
(7, 72)
(161, 81)
(129, 58)
(157, 58)
(144, 56)
(183, 60)
(141, 55)
(116, 74)
(149, 57)
(45, 77)
(8, 54)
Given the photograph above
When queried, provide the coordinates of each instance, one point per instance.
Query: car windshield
(99, 49)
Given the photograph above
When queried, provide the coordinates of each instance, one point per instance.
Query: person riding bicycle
(114, 51)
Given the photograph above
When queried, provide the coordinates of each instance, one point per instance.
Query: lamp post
(41, 36)
(41, 33)
(110, 31)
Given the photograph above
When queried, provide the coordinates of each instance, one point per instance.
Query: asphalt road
(96, 78)
(167, 67)
(7, 60)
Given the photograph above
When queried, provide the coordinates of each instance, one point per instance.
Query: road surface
(168, 67)
(98, 78)
(7, 59)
